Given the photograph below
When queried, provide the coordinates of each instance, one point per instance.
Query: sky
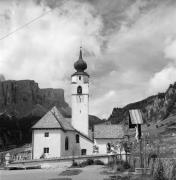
(129, 46)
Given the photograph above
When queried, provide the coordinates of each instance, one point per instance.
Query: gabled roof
(53, 119)
(112, 131)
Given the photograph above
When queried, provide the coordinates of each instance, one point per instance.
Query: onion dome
(80, 65)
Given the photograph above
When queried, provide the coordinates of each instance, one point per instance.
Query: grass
(141, 177)
(131, 177)
(71, 172)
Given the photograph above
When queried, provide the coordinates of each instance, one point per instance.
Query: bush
(98, 162)
(159, 173)
(74, 164)
(120, 168)
(90, 161)
(173, 172)
(86, 163)
(83, 164)
(126, 165)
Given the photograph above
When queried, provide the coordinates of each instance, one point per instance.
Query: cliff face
(19, 98)
(23, 103)
(154, 108)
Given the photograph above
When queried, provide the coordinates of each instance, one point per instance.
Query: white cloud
(170, 50)
(46, 50)
(129, 47)
(162, 79)
(104, 103)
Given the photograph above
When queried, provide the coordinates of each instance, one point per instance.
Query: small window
(79, 90)
(46, 134)
(83, 151)
(66, 143)
(46, 150)
(79, 77)
(77, 138)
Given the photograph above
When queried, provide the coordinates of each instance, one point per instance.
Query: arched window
(66, 143)
(77, 138)
(79, 90)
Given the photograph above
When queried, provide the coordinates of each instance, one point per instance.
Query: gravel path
(88, 173)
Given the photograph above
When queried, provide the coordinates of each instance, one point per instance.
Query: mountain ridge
(154, 108)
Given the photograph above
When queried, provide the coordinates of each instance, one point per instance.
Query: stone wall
(61, 162)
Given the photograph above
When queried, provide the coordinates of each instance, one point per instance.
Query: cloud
(128, 45)
(46, 50)
(161, 80)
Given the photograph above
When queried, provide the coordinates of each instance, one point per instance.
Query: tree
(127, 146)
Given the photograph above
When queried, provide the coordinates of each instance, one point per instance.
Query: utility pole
(144, 153)
(140, 149)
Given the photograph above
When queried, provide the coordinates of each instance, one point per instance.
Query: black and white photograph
(87, 89)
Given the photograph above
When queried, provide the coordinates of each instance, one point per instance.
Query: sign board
(136, 116)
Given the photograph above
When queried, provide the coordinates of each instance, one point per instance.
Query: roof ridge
(54, 114)
(84, 135)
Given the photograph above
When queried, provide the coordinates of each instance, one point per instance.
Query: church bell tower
(80, 96)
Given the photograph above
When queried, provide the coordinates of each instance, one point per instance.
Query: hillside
(154, 109)
(159, 115)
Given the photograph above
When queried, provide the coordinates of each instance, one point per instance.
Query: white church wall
(53, 142)
(73, 147)
(86, 144)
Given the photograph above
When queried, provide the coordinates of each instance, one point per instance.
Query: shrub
(90, 161)
(86, 163)
(120, 168)
(159, 173)
(98, 162)
(74, 164)
(173, 172)
(126, 165)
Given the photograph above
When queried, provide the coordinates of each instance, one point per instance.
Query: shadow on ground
(70, 172)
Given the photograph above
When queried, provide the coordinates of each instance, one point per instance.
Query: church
(56, 136)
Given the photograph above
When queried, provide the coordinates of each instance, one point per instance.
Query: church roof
(53, 119)
(112, 131)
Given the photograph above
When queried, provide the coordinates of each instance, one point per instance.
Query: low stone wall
(62, 161)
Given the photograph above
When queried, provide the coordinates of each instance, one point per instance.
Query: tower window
(66, 143)
(77, 138)
(79, 77)
(79, 90)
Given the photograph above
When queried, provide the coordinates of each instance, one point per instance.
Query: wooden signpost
(135, 121)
